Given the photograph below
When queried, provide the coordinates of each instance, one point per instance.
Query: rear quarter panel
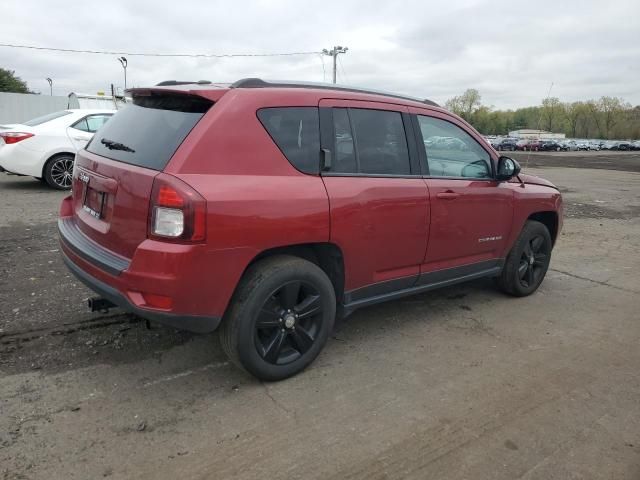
(256, 200)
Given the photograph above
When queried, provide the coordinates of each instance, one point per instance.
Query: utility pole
(123, 62)
(50, 85)
(334, 52)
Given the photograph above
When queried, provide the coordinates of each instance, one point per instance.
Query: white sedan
(45, 147)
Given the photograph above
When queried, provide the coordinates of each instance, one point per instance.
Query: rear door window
(148, 132)
(296, 132)
(345, 152)
(81, 125)
(370, 142)
(94, 122)
(381, 144)
(91, 123)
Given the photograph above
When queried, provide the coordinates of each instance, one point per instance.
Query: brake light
(168, 197)
(14, 137)
(177, 211)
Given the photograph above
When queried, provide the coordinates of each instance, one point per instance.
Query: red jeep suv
(270, 209)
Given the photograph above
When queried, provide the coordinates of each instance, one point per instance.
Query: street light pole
(50, 86)
(334, 53)
(123, 62)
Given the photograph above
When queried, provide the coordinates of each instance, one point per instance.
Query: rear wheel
(528, 261)
(58, 171)
(280, 317)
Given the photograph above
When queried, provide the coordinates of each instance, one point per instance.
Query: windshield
(149, 132)
(46, 118)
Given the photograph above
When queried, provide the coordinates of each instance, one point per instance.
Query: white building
(527, 133)
(84, 100)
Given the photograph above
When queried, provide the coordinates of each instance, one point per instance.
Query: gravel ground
(462, 383)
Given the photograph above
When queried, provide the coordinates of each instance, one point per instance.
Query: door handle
(447, 195)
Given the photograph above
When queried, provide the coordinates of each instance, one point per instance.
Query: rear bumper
(192, 323)
(20, 161)
(121, 287)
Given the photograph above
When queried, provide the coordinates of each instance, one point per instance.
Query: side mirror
(507, 168)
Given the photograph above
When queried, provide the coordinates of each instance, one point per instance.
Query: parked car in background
(583, 145)
(635, 145)
(550, 146)
(621, 145)
(533, 145)
(494, 142)
(45, 147)
(522, 144)
(594, 145)
(270, 209)
(508, 144)
(569, 145)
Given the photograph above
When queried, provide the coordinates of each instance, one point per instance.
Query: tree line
(9, 82)
(606, 118)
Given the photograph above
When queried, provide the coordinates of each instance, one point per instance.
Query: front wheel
(528, 261)
(280, 318)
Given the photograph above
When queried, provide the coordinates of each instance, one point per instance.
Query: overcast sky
(511, 51)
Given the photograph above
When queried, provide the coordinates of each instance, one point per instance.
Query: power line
(139, 54)
(324, 73)
(344, 72)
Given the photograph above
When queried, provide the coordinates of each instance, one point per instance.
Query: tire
(557, 149)
(528, 261)
(294, 301)
(58, 171)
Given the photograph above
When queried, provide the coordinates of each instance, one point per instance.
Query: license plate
(93, 202)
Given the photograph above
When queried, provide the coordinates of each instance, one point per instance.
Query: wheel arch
(327, 256)
(550, 220)
(52, 156)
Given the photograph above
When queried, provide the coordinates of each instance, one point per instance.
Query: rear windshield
(148, 132)
(46, 118)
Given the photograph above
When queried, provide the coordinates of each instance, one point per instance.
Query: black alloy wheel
(528, 261)
(288, 323)
(533, 262)
(280, 317)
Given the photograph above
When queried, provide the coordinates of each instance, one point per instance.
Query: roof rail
(259, 83)
(173, 83)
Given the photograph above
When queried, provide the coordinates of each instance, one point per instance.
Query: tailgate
(111, 202)
(114, 175)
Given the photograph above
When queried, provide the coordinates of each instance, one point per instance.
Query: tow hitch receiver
(99, 304)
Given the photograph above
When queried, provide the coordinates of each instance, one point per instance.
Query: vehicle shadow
(14, 182)
(120, 338)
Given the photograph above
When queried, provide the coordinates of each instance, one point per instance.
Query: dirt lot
(462, 383)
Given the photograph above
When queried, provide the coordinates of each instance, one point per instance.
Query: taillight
(14, 137)
(177, 211)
